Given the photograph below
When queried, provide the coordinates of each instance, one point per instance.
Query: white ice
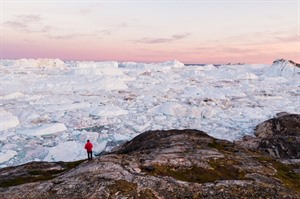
(7, 120)
(49, 108)
(7, 155)
(45, 129)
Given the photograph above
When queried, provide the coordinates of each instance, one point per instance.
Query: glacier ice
(50, 107)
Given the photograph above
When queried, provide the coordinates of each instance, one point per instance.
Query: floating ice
(71, 106)
(13, 95)
(283, 68)
(97, 68)
(119, 137)
(172, 109)
(7, 120)
(67, 151)
(7, 155)
(108, 111)
(39, 63)
(49, 108)
(46, 129)
(175, 64)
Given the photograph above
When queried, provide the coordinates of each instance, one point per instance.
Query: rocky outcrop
(162, 164)
(281, 61)
(284, 68)
(278, 137)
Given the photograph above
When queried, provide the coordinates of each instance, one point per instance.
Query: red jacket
(88, 146)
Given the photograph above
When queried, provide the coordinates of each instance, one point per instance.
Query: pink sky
(151, 31)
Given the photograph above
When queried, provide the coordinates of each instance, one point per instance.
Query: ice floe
(50, 107)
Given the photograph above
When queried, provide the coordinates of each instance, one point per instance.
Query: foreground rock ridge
(278, 137)
(161, 164)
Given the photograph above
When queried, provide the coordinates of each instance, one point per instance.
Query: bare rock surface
(159, 164)
(279, 137)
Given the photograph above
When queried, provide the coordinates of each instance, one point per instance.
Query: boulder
(278, 137)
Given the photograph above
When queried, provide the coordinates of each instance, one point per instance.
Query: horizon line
(147, 62)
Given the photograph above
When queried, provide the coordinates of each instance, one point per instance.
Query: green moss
(147, 193)
(218, 171)
(291, 139)
(24, 180)
(46, 172)
(223, 146)
(263, 159)
(71, 165)
(216, 145)
(285, 173)
(36, 175)
(122, 187)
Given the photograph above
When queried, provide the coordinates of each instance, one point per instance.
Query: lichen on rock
(164, 164)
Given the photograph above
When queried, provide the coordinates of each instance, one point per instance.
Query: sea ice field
(50, 107)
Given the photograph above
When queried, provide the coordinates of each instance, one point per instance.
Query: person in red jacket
(89, 146)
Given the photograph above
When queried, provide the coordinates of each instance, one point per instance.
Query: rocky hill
(163, 164)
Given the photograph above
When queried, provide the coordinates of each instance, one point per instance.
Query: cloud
(72, 36)
(27, 23)
(110, 30)
(29, 18)
(62, 37)
(175, 37)
(122, 25)
(180, 36)
(290, 38)
(68, 36)
(85, 11)
(16, 25)
(91, 8)
(236, 50)
(104, 32)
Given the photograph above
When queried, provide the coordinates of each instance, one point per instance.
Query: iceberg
(282, 67)
(45, 129)
(50, 107)
(8, 120)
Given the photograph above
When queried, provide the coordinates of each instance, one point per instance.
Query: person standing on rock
(89, 146)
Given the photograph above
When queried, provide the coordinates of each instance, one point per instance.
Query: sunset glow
(151, 31)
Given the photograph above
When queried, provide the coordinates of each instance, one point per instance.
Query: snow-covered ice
(66, 151)
(7, 155)
(50, 107)
(46, 129)
(108, 111)
(8, 120)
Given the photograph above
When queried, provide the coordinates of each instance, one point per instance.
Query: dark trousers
(90, 155)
